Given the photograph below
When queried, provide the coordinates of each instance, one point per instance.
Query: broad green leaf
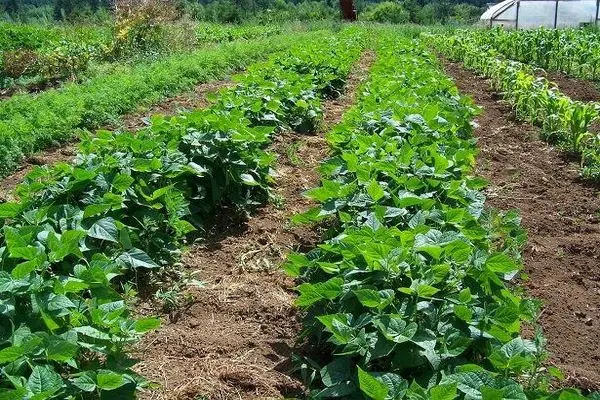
(122, 182)
(104, 229)
(85, 382)
(375, 190)
(61, 350)
(249, 180)
(416, 392)
(312, 293)
(58, 302)
(9, 210)
(22, 270)
(463, 313)
(107, 380)
(17, 394)
(26, 252)
(336, 372)
(92, 332)
(470, 383)
(136, 258)
(397, 386)
(44, 379)
(73, 285)
(368, 297)
(146, 324)
(488, 393)
(443, 392)
(370, 386)
(501, 263)
(338, 325)
(571, 394)
(394, 328)
(158, 193)
(426, 290)
(197, 169)
(96, 209)
(10, 354)
(68, 244)
(15, 238)
(295, 263)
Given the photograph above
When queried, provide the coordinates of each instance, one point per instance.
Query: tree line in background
(237, 11)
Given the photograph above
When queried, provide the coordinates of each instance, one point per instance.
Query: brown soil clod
(560, 213)
(236, 339)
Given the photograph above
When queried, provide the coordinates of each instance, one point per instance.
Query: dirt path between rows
(561, 215)
(235, 339)
(136, 120)
(575, 88)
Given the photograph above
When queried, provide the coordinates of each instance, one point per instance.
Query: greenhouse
(527, 14)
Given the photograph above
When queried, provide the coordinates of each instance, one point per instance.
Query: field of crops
(359, 212)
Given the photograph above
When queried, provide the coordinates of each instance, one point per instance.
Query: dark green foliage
(265, 11)
(390, 12)
(210, 32)
(36, 54)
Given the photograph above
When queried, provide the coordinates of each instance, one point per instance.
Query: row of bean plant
(208, 32)
(30, 123)
(564, 122)
(412, 293)
(124, 207)
(572, 51)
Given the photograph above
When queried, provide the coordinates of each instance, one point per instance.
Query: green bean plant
(412, 294)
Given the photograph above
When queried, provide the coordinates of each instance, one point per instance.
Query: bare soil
(576, 89)
(561, 215)
(235, 338)
(129, 122)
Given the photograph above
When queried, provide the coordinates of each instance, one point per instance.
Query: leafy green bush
(37, 54)
(20, 36)
(387, 11)
(434, 13)
(140, 29)
(465, 14)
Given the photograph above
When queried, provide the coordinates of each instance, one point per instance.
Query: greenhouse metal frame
(514, 7)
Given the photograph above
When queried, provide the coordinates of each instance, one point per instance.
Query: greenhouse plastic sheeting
(536, 13)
